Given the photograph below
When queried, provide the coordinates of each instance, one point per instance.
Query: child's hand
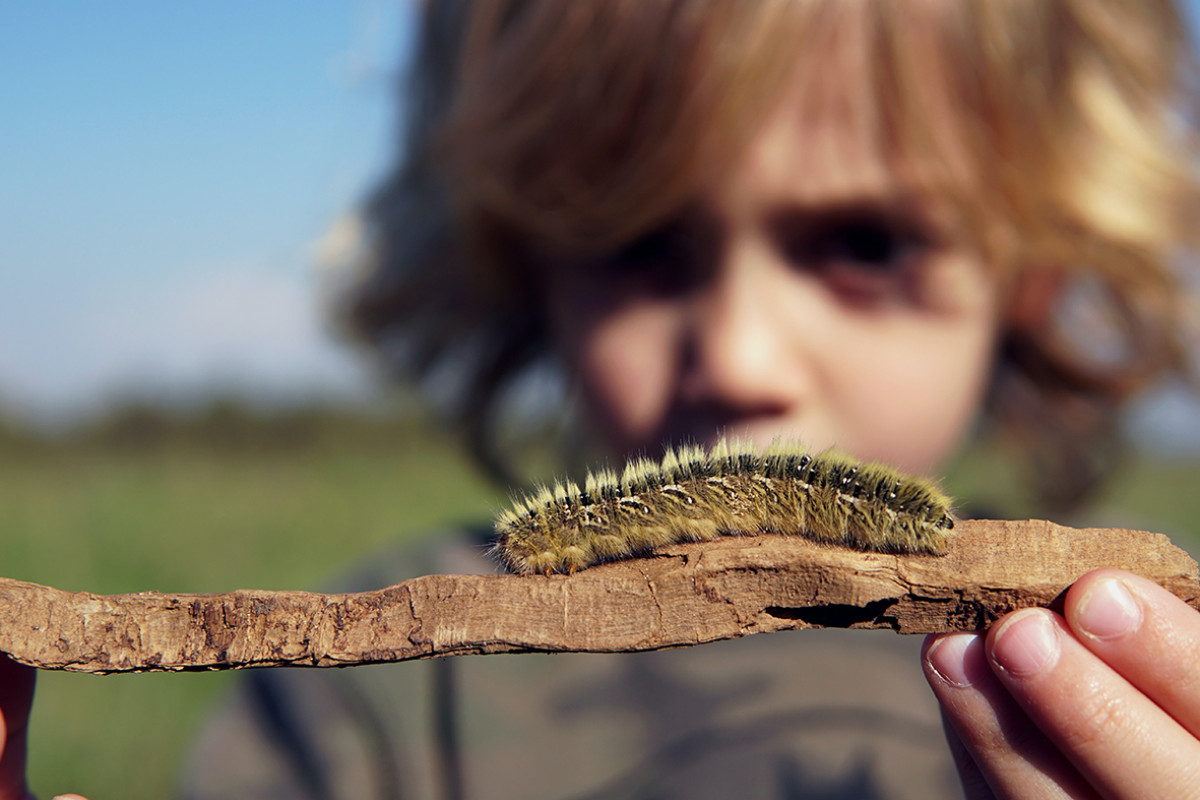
(16, 697)
(1105, 702)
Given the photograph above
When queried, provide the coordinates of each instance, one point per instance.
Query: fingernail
(1027, 643)
(958, 659)
(1108, 611)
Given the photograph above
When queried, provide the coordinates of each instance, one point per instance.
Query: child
(846, 221)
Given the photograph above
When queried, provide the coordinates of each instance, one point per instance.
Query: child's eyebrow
(906, 215)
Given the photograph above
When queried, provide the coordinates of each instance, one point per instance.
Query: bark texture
(681, 595)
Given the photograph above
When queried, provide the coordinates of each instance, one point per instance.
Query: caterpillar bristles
(732, 489)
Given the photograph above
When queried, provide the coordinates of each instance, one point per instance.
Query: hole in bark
(834, 615)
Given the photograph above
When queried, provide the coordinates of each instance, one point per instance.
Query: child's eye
(655, 247)
(864, 257)
(659, 263)
(867, 244)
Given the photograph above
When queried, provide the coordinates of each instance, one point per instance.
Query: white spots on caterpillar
(694, 495)
(677, 491)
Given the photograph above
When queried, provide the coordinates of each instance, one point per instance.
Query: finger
(1145, 633)
(1117, 738)
(16, 696)
(1005, 748)
(974, 784)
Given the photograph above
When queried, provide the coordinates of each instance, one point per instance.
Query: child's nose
(742, 351)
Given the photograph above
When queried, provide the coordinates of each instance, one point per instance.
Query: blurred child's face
(804, 296)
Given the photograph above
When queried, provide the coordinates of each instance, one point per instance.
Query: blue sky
(167, 170)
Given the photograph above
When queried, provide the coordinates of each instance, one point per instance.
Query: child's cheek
(935, 365)
(625, 366)
(922, 392)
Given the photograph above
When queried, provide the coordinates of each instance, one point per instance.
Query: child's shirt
(819, 713)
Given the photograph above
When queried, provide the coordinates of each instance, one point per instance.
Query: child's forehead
(814, 159)
(831, 102)
(832, 137)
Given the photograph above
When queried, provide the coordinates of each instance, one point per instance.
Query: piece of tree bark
(682, 595)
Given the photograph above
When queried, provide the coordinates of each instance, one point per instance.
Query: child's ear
(1033, 297)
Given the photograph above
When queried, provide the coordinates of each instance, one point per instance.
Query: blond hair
(541, 126)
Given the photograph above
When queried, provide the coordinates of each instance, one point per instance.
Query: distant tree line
(223, 424)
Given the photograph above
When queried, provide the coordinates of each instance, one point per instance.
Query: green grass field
(195, 521)
(187, 519)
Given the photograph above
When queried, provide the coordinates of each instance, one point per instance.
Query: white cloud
(252, 327)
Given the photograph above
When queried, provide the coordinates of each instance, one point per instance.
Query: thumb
(16, 698)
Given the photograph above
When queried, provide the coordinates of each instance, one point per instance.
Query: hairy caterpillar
(694, 495)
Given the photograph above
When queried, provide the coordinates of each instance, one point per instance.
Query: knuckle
(1183, 674)
(1097, 718)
